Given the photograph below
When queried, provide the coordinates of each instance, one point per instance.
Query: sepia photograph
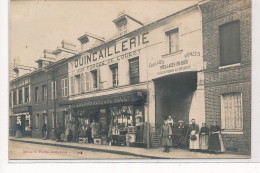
(117, 80)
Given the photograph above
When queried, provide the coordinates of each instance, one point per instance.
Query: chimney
(68, 45)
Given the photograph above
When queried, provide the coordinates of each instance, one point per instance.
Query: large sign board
(171, 64)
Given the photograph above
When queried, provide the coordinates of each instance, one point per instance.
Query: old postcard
(130, 80)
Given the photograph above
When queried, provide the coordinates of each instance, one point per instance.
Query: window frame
(14, 97)
(64, 87)
(26, 100)
(44, 93)
(221, 58)
(130, 74)
(112, 68)
(122, 28)
(20, 96)
(169, 36)
(36, 94)
(223, 115)
(37, 118)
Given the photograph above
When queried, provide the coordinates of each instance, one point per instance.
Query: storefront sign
(123, 98)
(118, 48)
(190, 61)
(21, 110)
(111, 60)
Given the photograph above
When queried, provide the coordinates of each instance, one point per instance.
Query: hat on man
(181, 121)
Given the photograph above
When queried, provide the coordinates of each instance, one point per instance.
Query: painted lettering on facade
(98, 57)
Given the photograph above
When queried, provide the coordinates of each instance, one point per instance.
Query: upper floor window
(94, 79)
(14, 98)
(44, 93)
(20, 95)
(77, 84)
(229, 36)
(231, 111)
(173, 40)
(37, 94)
(26, 94)
(134, 70)
(114, 70)
(64, 87)
(53, 90)
(122, 29)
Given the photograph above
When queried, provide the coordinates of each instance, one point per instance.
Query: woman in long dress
(193, 133)
(204, 137)
(215, 139)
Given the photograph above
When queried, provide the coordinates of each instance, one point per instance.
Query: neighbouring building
(227, 76)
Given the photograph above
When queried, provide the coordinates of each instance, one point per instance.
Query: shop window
(14, 98)
(26, 94)
(64, 87)
(173, 40)
(229, 35)
(231, 111)
(122, 29)
(37, 94)
(94, 79)
(134, 70)
(120, 118)
(53, 90)
(20, 96)
(37, 121)
(114, 70)
(44, 93)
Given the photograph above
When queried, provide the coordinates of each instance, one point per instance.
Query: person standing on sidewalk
(193, 134)
(215, 140)
(44, 131)
(204, 138)
(166, 132)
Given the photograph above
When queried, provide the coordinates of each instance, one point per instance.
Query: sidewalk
(132, 151)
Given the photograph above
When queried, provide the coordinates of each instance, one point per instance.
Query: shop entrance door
(174, 97)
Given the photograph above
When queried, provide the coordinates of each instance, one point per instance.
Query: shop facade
(159, 59)
(20, 106)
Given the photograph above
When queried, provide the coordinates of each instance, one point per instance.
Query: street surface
(21, 150)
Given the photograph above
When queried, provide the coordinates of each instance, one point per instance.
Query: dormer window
(122, 29)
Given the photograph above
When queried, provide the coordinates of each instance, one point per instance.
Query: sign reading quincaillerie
(124, 49)
(190, 61)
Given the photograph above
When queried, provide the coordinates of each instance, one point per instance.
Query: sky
(39, 25)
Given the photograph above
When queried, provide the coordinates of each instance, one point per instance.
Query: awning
(134, 96)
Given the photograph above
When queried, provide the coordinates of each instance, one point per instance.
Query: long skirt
(204, 142)
(166, 141)
(195, 144)
(216, 143)
(18, 134)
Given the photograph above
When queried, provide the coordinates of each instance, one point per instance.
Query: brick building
(226, 26)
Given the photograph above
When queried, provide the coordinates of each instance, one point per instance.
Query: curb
(91, 149)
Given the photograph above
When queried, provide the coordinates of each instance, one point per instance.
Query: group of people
(81, 131)
(202, 139)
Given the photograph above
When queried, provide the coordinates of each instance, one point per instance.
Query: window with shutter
(72, 85)
(82, 79)
(87, 82)
(232, 118)
(229, 35)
